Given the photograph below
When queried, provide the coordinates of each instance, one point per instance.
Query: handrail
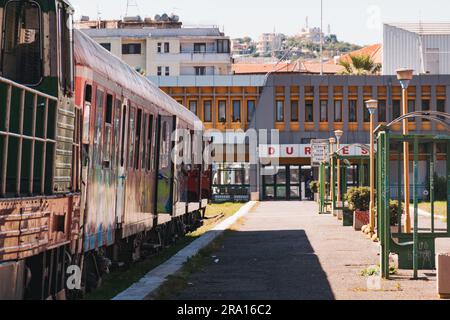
(6, 134)
(30, 90)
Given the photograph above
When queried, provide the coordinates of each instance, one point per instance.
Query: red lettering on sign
(308, 151)
(345, 151)
(364, 152)
(271, 151)
(290, 150)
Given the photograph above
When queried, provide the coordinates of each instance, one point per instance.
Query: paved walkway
(285, 250)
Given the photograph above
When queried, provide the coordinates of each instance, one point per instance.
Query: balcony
(194, 57)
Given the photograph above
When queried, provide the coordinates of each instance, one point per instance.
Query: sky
(356, 21)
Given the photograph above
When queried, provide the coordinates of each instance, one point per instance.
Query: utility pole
(321, 37)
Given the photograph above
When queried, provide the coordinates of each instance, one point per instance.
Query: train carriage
(86, 175)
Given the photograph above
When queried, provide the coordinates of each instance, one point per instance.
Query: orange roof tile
(375, 52)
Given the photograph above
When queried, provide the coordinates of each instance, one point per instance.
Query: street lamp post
(338, 134)
(405, 76)
(332, 142)
(372, 106)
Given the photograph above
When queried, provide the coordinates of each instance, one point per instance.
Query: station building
(302, 107)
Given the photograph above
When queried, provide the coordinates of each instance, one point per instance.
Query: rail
(7, 134)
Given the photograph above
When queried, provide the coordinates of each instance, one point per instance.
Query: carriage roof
(88, 53)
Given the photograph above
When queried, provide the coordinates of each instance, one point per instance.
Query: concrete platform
(285, 250)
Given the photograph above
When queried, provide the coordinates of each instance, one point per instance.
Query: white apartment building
(310, 34)
(269, 43)
(172, 51)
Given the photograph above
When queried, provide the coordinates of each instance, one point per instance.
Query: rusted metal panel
(31, 226)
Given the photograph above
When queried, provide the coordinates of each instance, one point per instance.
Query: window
(223, 46)
(122, 149)
(366, 114)
(167, 71)
(199, 47)
(108, 130)
(440, 105)
(193, 106)
(22, 50)
(411, 108)
(222, 111)
(353, 111)
(87, 113)
(207, 111)
(131, 48)
(138, 139)
(159, 71)
(159, 47)
(382, 110)
(144, 143)
(294, 111)
(425, 107)
(150, 144)
(250, 110)
(338, 111)
(236, 111)
(166, 47)
(323, 111)
(200, 71)
(131, 137)
(309, 111)
(118, 106)
(396, 112)
(98, 127)
(107, 46)
(280, 110)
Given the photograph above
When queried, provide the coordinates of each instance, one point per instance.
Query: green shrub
(358, 198)
(314, 186)
(394, 209)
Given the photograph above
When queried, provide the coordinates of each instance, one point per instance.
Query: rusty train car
(88, 176)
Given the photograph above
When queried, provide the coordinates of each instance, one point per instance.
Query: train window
(108, 130)
(22, 49)
(122, 147)
(138, 139)
(118, 105)
(98, 127)
(87, 113)
(131, 137)
(164, 149)
(65, 48)
(144, 143)
(150, 144)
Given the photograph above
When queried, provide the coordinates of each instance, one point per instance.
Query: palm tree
(360, 65)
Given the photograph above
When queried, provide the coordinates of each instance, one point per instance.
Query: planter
(347, 220)
(316, 197)
(443, 275)
(360, 218)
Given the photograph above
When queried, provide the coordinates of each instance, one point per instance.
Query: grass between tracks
(117, 281)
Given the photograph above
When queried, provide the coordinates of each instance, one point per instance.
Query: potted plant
(359, 201)
(314, 186)
(394, 210)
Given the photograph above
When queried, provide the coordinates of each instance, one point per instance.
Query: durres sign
(302, 151)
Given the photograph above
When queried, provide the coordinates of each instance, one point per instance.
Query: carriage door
(164, 191)
(121, 163)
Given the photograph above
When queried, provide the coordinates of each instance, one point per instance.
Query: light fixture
(372, 106)
(339, 134)
(405, 76)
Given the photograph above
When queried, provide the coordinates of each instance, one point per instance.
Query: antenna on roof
(132, 4)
